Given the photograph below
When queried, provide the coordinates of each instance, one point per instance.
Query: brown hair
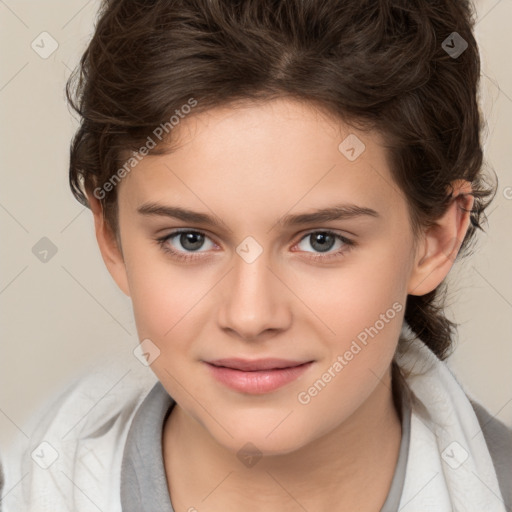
(374, 64)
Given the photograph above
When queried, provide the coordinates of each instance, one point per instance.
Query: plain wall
(61, 317)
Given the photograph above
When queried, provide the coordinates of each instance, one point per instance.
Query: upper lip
(256, 364)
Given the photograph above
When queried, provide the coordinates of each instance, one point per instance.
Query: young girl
(281, 188)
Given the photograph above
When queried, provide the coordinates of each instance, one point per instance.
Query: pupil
(322, 237)
(191, 241)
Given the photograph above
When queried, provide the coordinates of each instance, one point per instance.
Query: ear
(110, 246)
(440, 243)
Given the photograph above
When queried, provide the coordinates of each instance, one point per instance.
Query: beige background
(61, 317)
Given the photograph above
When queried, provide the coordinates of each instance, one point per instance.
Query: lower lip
(257, 382)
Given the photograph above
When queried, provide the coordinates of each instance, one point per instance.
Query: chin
(249, 439)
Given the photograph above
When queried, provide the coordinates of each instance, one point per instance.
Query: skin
(249, 166)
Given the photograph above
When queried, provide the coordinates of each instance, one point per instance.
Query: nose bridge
(253, 303)
(251, 272)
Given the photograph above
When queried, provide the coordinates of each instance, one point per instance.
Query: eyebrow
(336, 212)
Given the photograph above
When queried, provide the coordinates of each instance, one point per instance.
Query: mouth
(257, 376)
(257, 364)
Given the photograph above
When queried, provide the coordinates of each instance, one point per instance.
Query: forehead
(280, 153)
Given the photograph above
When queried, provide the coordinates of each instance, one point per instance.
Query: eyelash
(178, 255)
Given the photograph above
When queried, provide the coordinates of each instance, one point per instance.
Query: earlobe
(109, 246)
(441, 242)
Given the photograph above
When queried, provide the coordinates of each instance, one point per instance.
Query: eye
(324, 241)
(190, 241)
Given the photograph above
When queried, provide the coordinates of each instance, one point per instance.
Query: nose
(255, 302)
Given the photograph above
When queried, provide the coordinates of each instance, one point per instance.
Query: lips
(256, 376)
(257, 364)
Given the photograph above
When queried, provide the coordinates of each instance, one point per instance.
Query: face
(325, 294)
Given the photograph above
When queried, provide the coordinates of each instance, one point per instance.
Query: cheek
(361, 309)
(344, 301)
(367, 323)
(163, 293)
(163, 303)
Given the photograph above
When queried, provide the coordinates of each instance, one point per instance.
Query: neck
(331, 473)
